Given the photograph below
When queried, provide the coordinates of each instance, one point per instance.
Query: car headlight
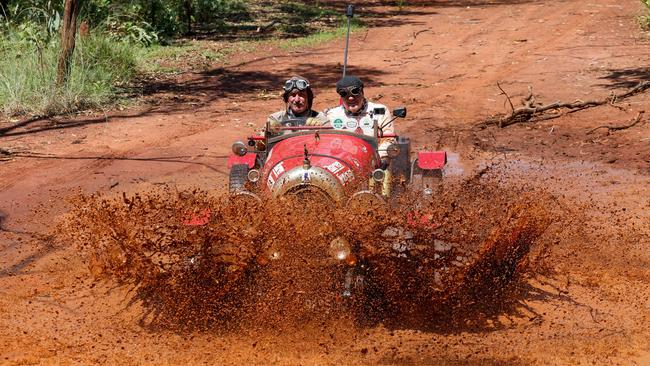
(253, 175)
(393, 150)
(340, 250)
(239, 148)
(378, 175)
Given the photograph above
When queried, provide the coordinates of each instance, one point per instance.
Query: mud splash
(452, 260)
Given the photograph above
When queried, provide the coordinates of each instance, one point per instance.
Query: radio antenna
(349, 13)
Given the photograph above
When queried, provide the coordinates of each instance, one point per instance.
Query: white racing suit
(364, 122)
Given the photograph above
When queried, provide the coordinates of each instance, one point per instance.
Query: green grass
(305, 11)
(318, 37)
(28, 73)
(644, 20)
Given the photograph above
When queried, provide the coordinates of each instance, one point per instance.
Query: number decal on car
(278, 170)
(346, 176)
(335, 167)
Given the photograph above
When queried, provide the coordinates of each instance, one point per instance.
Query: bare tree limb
(618, 128)
(416, 34)
(533, 113)
(512, 107)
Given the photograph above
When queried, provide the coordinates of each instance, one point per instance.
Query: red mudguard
(248, 159)
(429, 160)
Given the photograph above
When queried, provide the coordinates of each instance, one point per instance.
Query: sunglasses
(300, 84)
(353, 91)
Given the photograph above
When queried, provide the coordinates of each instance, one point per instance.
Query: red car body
(338, 163)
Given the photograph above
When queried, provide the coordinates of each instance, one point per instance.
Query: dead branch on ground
(618, 128)
(416, 34)
(531, 111)
(5, 154)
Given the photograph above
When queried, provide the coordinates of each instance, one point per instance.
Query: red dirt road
(442, 60)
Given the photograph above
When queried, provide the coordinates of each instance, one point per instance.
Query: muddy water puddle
(285, 264)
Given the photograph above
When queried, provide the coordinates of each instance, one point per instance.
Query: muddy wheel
(429, 181)
(238, 178)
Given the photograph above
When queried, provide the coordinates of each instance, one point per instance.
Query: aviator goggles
(300, 84)
(353, 91)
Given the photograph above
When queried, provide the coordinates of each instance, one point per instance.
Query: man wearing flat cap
(356, 113)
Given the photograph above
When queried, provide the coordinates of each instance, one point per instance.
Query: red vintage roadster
(337, 164)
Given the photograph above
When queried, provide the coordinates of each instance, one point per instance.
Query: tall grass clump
(28, 73)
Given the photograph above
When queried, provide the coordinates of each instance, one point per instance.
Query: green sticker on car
(338, 123)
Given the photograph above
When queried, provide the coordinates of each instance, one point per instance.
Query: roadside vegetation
(120, 40)
(644, 19)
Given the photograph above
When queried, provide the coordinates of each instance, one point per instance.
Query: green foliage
(145, 21)
(38, 21)
(28, 72)
(305, 11)
(129, 30)
(297, 17)
(214, 10)
(644, 20)
(142, 21)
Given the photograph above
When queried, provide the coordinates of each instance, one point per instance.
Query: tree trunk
(188, 15)
(68, 33)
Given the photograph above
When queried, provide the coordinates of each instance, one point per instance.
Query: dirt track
(443, 60)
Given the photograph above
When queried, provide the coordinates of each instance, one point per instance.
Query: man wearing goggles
(358, 114)
(296, 82)
(298, 98)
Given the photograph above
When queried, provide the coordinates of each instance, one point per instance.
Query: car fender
(248, 159)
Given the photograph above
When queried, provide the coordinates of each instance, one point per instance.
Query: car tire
(238, 178)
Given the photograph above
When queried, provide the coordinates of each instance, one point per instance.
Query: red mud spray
(292, 264)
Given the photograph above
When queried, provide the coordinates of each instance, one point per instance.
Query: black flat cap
(349, 81)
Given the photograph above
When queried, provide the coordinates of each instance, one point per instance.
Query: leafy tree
(141, 21)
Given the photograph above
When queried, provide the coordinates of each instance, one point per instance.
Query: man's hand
(274, 125)
(311, 121)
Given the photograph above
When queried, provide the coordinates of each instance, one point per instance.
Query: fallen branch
(416, 34)
(5, 154)
(512, 107)
(532, 113)
(618, 128)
